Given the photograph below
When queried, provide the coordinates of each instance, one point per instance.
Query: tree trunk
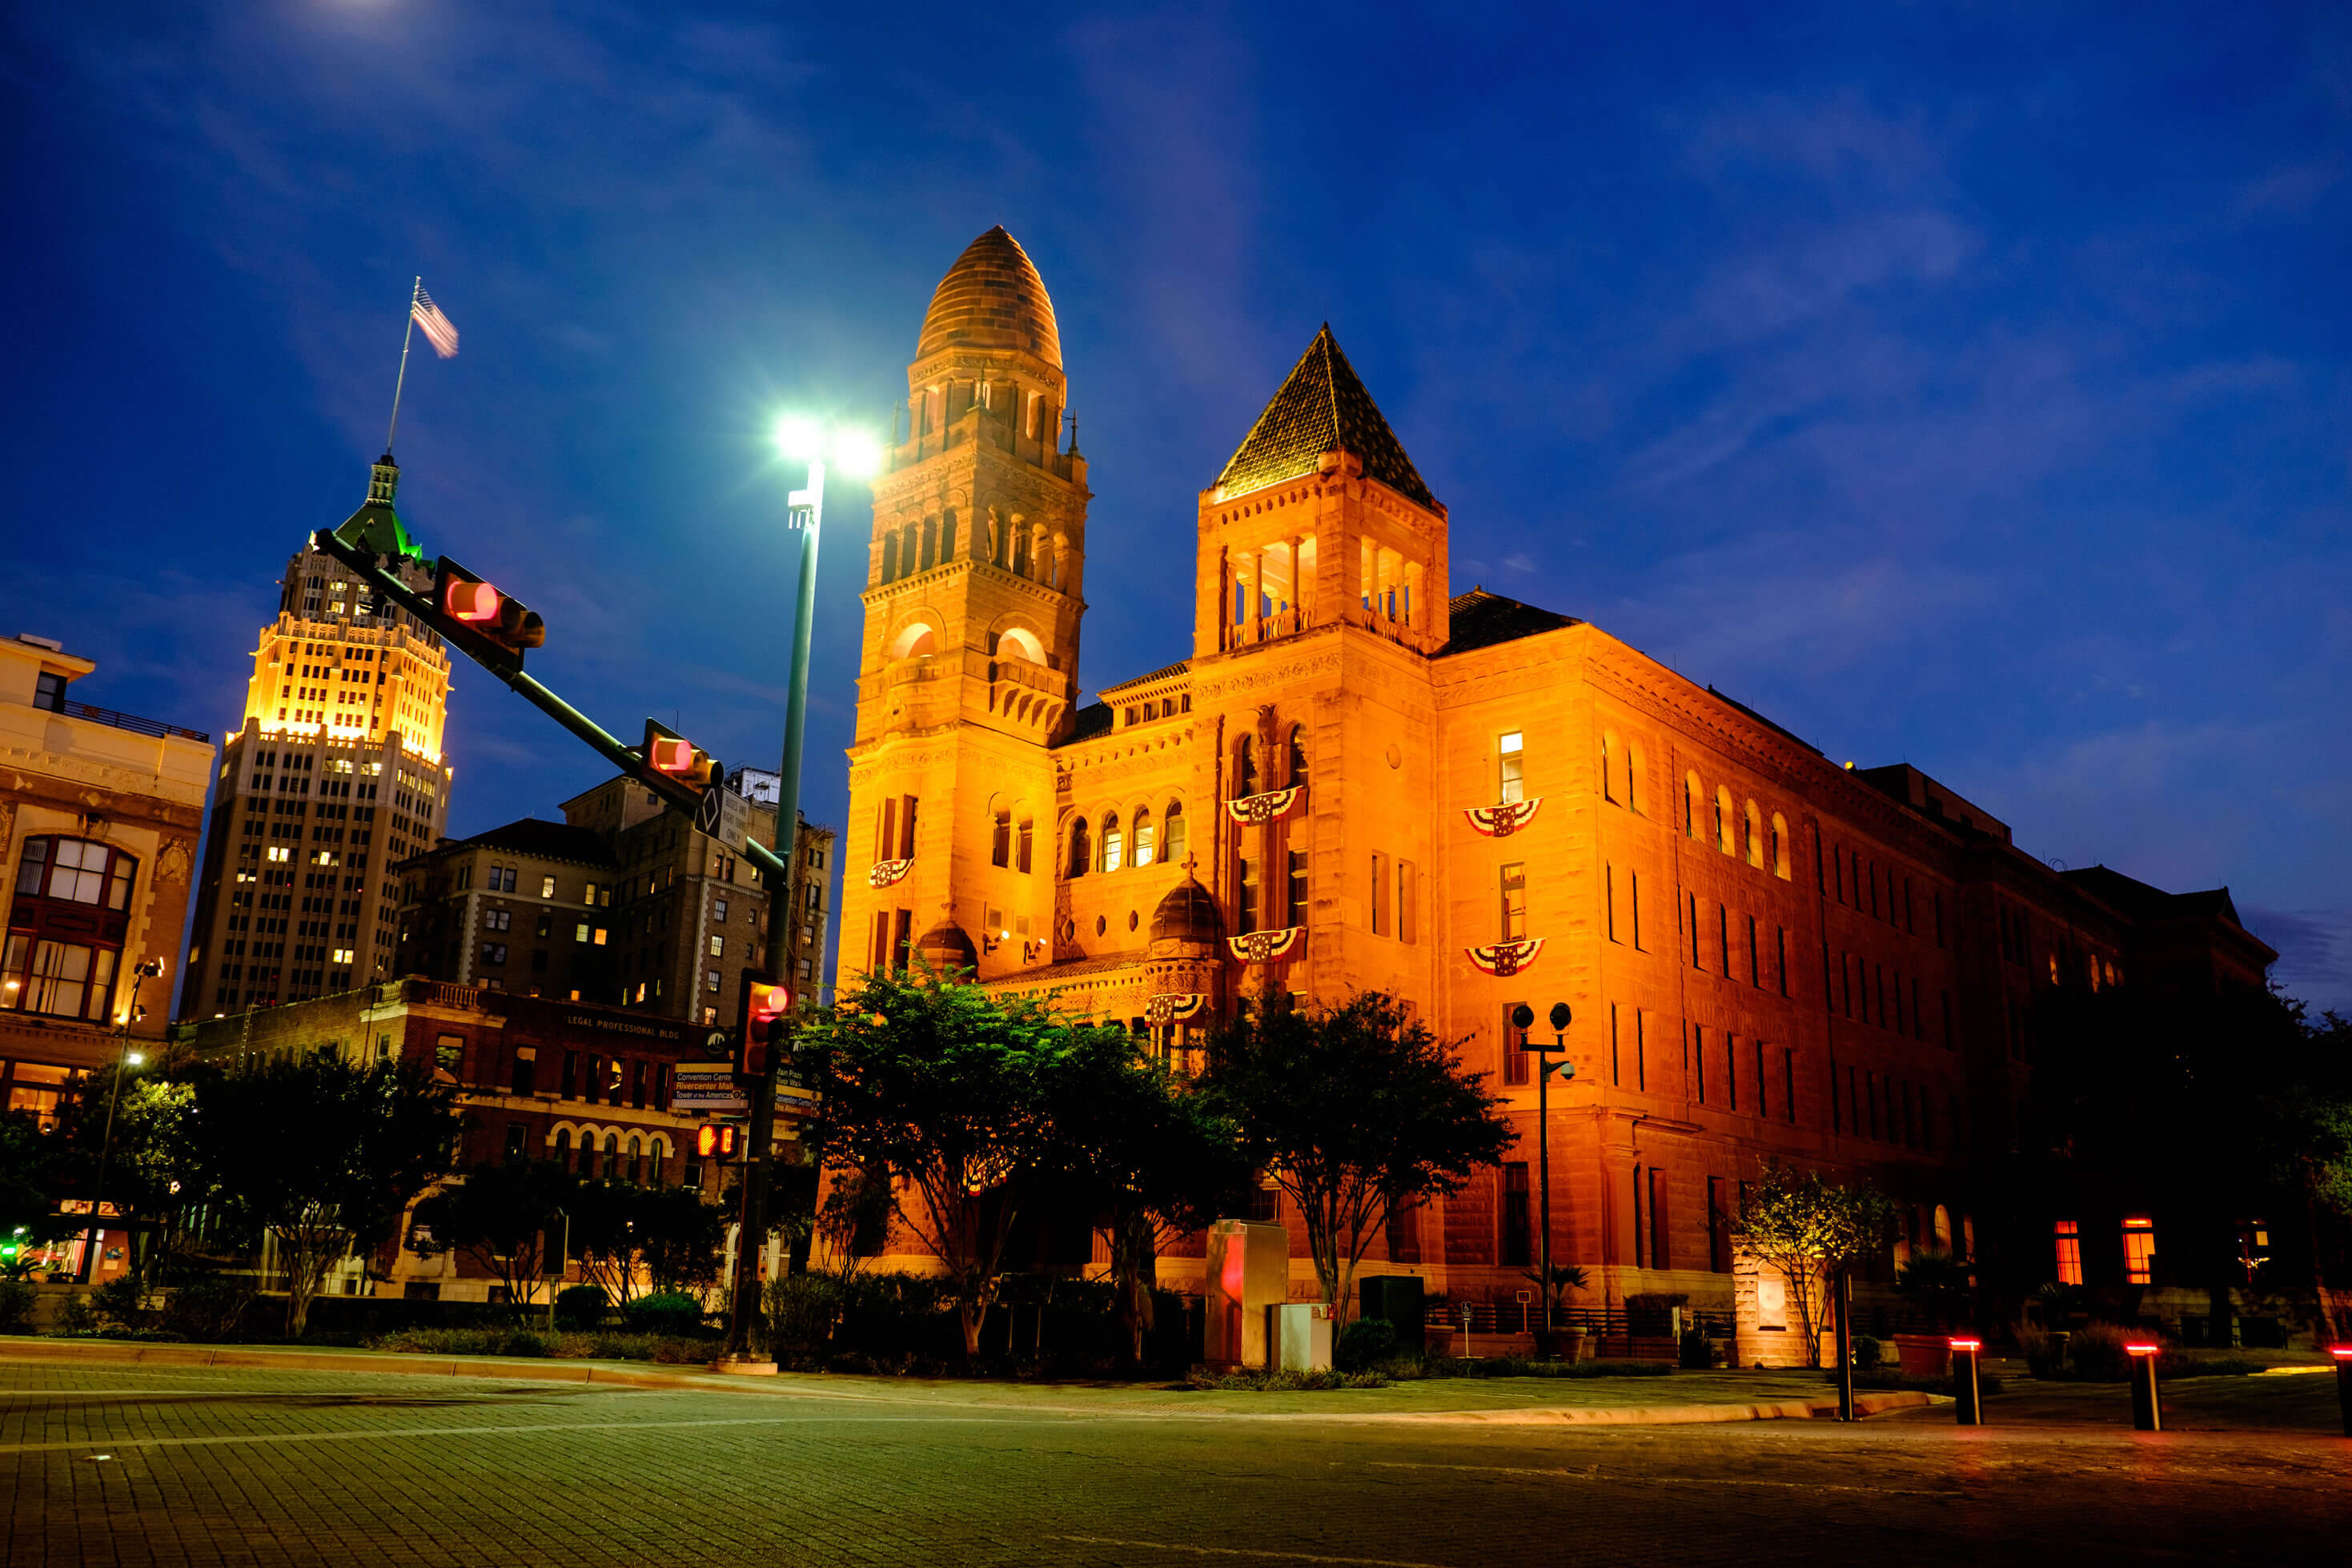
(1135, 1269)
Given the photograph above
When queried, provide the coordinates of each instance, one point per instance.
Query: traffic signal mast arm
(628, 759)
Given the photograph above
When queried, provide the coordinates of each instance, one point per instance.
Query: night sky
(1966, 387)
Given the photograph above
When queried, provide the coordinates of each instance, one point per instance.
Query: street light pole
(1524, 1017)
(96, 1235)
(806, 518)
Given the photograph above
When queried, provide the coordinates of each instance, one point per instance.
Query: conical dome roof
(991, 299)
(1187, 915)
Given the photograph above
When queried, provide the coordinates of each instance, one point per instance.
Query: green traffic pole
(744, 1317)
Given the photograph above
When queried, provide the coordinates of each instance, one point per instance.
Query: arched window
(910, 540)
(636, 1162)
(66, 927)
(1779, 846)
(890, 557)
(1691, 789)
(1723, 822)
(915, 642)
(1610, 752)
(930, 543)
(1171, 830)
(563, 1146)
(587, 1150)
(1114, 843)
(1022, 644)
(1297, 754)
(1082, 848)
(1755, 835)
(1637, 795)
(947, 534)
(612, 1155)
(1000, 837)
(1143, 836)
(1020, 845)
(1246, 767)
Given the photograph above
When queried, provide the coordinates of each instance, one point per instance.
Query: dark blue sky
(1966, 386)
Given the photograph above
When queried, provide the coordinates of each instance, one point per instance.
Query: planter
(1924, 1354)
(1576, 1344)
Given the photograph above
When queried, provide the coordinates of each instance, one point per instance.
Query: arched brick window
(65, 928)
(1082, 848)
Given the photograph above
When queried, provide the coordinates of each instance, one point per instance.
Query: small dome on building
(1187, 915)
(991, 299)
(945, 947)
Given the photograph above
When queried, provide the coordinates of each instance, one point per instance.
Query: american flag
(439, 328)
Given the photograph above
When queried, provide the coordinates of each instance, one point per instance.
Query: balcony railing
(133, 723)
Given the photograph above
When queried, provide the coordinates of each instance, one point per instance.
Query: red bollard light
(2147, 1413)
(1968, 1406)
(2343, 1354)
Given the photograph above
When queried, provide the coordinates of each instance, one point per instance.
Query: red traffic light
(505, 625)
(715, 1141)
(760, 1026)
(665, 754)
(675, 757)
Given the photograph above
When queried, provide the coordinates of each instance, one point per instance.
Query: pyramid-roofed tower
(1322, 406)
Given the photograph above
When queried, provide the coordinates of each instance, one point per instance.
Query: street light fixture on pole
(798, 440)
(1523, 1018)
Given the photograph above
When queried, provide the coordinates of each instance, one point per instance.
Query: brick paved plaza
(239, 1466)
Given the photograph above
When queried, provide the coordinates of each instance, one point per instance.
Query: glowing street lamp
(798, 440)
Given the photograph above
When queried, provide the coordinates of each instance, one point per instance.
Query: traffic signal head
(760, 1028)
(715, 1141)
(487, 623)
(676, 758)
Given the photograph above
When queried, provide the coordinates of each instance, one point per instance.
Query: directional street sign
(724, 815)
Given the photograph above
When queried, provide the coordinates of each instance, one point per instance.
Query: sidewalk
(1680, 1398)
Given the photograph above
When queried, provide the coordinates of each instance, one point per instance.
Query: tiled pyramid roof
(1322, 407)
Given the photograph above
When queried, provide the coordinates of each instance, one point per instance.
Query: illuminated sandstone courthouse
(1361, 778)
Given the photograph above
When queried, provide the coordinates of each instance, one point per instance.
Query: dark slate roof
(1480, 620)
(1178, 668)
(1322, 407)
(2142, 902)
(554, 840)
(1091, 720)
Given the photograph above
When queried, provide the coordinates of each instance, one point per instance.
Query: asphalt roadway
(147, 1464)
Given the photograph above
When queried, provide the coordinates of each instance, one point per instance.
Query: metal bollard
(1967, 1408)
(2343, 1354)
(2148, 1411)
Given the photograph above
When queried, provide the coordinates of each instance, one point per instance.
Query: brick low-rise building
(546, 1077)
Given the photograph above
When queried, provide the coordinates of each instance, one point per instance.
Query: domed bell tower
(968, 671)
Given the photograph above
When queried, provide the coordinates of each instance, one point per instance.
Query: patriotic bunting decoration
(1504, 960)
(1265, 947)
(885, 872)
(1270, 807)
(1501, 821)
(1175, 1009)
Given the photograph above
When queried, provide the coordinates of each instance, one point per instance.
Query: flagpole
(415, 289)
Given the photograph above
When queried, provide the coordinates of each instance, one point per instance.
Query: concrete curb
(406, 1363)
(390, 1363)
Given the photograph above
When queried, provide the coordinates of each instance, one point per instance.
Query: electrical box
(1249, 1271)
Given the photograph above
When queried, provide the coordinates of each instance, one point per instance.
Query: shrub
(1519, 1366)
(2098, 1355)
(207, 1307)
(75, 1316)
(1251, 1380)
(802, 1309)
(523, 1341)
(1364, 1343)
(579, 1307)
(1868, 1353)
(671, 1312)
(15, 1306)
(121, 1301)
(2039, 1352)
(1697, 1351)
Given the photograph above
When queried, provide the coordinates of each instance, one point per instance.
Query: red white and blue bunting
(885, 872)
(1270, 807)
(1501, 821)
(1504, 960)
(1175, 1009)
(1266, 946)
